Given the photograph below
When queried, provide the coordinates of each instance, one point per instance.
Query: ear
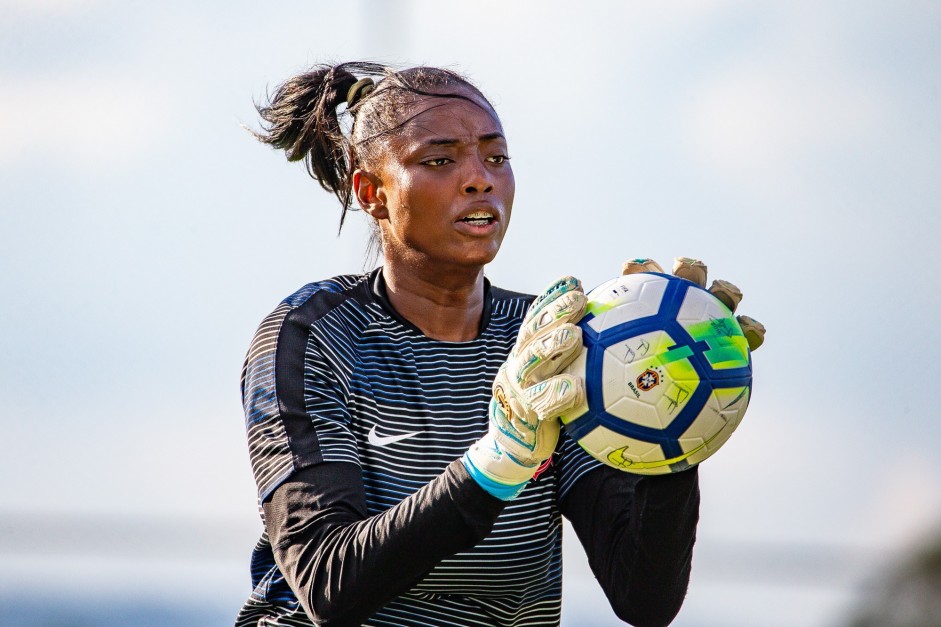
(367, 187)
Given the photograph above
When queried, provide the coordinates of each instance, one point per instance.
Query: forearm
(343, 565)
(638, 533)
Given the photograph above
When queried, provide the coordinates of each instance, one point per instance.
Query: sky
(794, 147)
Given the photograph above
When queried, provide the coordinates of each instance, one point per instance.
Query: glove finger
(690, 269)
(564, 302)
(550, 398)
(728, 293)
(754, 331)
(641, 264)
(528, 424)
(559, 287)
(545, 354)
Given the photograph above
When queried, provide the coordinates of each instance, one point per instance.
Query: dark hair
(303, 118)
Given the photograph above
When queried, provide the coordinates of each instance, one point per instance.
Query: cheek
(408, 222)
(418, 200)
(400, 189)
(511, 190)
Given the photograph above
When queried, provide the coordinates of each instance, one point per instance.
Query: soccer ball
(667, 374)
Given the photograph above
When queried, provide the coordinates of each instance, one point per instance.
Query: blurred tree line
(907, 594)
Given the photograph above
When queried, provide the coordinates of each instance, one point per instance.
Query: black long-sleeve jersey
(355, 423)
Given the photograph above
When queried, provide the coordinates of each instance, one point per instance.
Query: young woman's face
(446, 186)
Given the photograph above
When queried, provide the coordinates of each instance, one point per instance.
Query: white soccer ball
(667, 372)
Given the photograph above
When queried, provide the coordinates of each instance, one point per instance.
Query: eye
(498, 159)
(437, 162)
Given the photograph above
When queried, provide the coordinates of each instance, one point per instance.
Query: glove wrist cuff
(496, 471)
(502, 491)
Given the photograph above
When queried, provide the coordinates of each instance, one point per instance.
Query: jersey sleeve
(293, 393)
(343, 565)
(572, 462)
(638, 533)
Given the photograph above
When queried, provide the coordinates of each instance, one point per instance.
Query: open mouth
(479, 218)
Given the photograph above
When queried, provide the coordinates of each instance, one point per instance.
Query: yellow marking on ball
(616, 457)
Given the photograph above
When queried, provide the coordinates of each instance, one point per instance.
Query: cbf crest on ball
(667, 373)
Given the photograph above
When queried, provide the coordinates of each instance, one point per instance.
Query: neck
(444, 306)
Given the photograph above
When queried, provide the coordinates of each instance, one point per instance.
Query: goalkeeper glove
(529, 393)
(695, 270)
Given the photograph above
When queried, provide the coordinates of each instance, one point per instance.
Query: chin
(482, 258)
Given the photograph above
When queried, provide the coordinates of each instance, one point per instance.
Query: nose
(477, 178)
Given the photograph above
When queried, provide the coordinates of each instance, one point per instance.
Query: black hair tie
(360, 89)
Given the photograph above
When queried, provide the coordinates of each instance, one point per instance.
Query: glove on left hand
(696, 271)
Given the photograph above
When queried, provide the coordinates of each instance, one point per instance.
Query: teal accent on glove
(502, 491)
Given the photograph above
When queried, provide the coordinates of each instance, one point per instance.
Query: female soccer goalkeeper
(401, 423)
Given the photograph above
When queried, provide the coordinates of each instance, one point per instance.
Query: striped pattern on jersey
(334, 374)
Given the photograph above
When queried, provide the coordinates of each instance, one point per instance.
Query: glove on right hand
(529, 394)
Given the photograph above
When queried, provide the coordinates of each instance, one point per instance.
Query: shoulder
(317, 299)
(310, 304)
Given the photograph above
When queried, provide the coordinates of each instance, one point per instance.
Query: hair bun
(360, 89)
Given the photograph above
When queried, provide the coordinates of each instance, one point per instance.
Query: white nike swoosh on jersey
(385, 440)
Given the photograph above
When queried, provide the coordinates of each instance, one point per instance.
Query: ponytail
(301, 119)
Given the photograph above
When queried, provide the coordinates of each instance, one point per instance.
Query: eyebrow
(452, 142)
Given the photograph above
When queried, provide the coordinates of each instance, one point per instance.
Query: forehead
(448, 119)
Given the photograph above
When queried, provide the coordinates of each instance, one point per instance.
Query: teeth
(479, 215)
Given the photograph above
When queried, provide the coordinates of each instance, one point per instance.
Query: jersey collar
(380, 293)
